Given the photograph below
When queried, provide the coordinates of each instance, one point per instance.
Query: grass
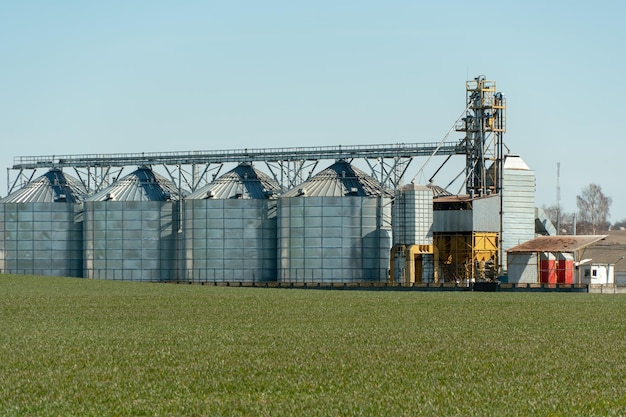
(93, 348)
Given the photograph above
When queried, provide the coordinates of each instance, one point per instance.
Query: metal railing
(239, 155)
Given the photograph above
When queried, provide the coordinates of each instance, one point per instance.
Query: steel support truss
(192, 170)
(484, 126)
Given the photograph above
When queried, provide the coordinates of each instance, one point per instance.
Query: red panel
(565, 271)
(548, 271)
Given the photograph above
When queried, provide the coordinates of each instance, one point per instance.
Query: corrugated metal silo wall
(518, 208)
(3, 240)
(41, 239)
(131, 240)
(413, 217)
(334, 239)
(230, 240)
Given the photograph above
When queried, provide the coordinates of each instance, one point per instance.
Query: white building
(601, 274)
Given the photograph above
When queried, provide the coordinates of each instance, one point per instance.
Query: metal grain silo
(130, 229)
(229, 228)
(40, 228)
(335, 228)
(412, 220)
(518, 204)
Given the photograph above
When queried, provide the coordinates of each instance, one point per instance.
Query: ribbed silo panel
(231, 240)
(3, 239)
(413, 215)
(518, 208)
(322, 240)
(130, 240)
(40, 239)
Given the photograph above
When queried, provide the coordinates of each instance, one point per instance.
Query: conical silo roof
(244, 181)
(511, 163)
(142, 184)
(53, 186)
(438, 191)
(515, 162)
(338, 180)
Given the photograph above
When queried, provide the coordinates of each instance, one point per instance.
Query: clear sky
(152, 76)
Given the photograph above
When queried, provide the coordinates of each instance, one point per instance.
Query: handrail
(238, 155)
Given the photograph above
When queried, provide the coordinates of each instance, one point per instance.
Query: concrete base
(607, 289)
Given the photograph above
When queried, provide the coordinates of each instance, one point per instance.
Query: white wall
(598, 274)
(522, 268)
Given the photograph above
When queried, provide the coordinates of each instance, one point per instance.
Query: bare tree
(593, 208)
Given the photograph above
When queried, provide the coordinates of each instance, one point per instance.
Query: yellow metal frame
(462, 257)
(411, 253)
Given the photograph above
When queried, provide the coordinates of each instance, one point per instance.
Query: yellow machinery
(412, 262)
(465, 257)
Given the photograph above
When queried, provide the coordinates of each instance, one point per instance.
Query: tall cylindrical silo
(412, 220)
(335, 228)
(131, 227)
(229, 228)
(517, 206)
(413, 215)
(40, 227)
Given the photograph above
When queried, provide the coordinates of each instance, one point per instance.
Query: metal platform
(191, 170)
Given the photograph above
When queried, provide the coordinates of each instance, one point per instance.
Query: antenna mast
(558, 198)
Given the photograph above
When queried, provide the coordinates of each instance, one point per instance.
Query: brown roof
(615, 237)
(557, 243)
(606, 254)
(609, 251)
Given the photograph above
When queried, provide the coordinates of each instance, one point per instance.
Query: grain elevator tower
(484, 125)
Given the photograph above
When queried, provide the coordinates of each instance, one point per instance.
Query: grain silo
(131, 228)
(335, 228)
(518, 204)
(229, 228)
(40, 227)
(412, 220)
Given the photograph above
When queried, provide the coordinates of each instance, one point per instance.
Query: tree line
(592, 216)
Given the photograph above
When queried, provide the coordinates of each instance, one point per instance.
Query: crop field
(74, 347)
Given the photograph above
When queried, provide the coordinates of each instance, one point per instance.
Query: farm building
(276, 217)
(609, 251)
(549, 259)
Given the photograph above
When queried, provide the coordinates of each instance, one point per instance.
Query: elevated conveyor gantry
(191, 170)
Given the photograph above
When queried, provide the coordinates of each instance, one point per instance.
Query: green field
(83, 347)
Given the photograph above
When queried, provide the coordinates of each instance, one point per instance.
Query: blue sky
(152, 76)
